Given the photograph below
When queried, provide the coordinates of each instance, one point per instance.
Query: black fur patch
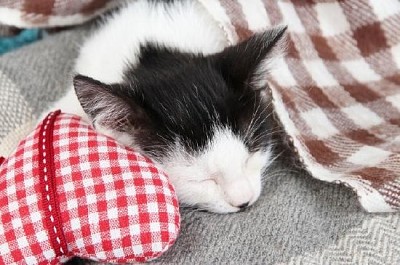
(170, 96)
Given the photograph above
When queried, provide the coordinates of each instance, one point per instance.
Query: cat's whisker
(277, 173)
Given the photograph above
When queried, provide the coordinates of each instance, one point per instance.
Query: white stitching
(46, 179)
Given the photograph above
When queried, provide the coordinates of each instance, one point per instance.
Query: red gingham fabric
(68, 191)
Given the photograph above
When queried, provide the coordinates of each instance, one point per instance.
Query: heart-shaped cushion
(69, 191)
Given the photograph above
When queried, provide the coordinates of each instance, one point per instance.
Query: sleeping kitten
(160, 78)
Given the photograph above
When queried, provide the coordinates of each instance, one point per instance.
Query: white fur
(222, 177)
(226, 175)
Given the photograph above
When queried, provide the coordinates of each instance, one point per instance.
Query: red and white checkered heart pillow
(69, 191)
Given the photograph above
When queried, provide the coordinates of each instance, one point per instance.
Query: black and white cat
(159, 77)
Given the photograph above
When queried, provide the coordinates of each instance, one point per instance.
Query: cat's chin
(217, 209)
(222, 210)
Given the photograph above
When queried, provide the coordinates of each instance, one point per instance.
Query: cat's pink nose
(239, 194)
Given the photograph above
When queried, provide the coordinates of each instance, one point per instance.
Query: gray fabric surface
(294, 215)
(298, 220)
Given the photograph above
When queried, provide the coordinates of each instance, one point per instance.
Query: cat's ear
(249, 61)
(111, 110)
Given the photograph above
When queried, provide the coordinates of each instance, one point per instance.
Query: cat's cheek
(255, 166)
(256, 185)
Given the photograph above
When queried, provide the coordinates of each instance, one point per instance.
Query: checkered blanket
(337, 92)
(51, 13)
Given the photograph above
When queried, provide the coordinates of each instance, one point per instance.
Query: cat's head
(204, 119)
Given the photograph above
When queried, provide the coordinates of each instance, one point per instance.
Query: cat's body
(156, 77)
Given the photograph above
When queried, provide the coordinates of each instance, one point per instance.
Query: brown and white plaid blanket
(51, 13)
(336, 93)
